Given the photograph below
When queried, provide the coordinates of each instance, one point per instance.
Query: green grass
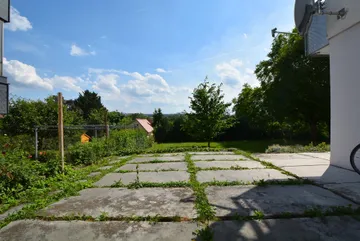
(248, 146)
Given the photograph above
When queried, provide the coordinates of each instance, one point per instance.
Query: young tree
(87, 102)
(161, 126)
(209, 116)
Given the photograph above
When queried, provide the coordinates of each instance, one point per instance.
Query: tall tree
(208, 116)
(87, 102)
(296, 87)
(161, 125)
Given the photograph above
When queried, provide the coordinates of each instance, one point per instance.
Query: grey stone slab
(324, 174)
(212, 153)
(228, 164)
(218, 158)
(105, 168)
(241, 175)
(271, 200)
(155, 166)
(349, 190)
(300, 229)
(11, 211)
(321, 155)
(290, 160)
(120, 202)
(94, 174)
(35, 230)
(163, 155)
(161, 158)
(281, 156)
(111, 178)
(163, 177)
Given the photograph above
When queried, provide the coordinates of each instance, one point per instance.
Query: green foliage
(209, 116)
(87, 102)
(121, 142)
(296, 87)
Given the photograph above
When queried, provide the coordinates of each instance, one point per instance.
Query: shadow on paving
(283, 208)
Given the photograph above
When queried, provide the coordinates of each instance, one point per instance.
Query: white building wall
(344, 49)
(345, 95)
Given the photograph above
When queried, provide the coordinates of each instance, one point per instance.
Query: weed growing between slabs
(159, 170)
(68, 184)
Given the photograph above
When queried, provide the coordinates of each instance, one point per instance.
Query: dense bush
(121, 142)
(18, 172)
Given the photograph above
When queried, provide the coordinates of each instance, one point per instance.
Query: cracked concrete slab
(349, 190)
(325, 174)
(271, 200)
(160, 158)
(299, 229)
(35, 230)
(164, 177)
(228, 164)
(123, 202)
(290, 160)
(241, 175)
(218, 158)
(155, 166)
(111, 178)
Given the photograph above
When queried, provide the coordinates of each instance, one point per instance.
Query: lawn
(248, 146)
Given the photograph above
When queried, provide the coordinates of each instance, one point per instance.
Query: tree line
(291, 102)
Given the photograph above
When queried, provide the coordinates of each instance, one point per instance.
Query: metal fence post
(36, 143)
(95, 133)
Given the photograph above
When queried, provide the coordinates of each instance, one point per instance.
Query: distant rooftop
(146, 125)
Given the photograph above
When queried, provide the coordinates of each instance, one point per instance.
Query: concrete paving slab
(155, 166)
(241, 175)
(212, 153)
(163, 177)
(105, 168)
(228, 164)
(94, 174)
(35, 230)
(120, 202)
(161, 158)
(325, 174)
(321, 155)
(111, 178)
(281, 156)
(11, 211)
(292, 160)
(349, 190)
(300, 229)
(218, 158)
(271, 200)
(163, 154)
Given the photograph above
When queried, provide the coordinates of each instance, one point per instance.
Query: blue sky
(138, 55)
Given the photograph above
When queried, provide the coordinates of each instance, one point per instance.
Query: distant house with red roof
(145, 125)
(1, 116)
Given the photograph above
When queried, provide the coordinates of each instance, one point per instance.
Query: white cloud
(24, 75)
(18, 22)
(77, 51)
(232, 73)
(161, 70)
(107, 83)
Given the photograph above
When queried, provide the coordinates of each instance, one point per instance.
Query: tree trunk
(314, 132)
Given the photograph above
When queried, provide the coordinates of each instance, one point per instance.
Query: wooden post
(61, 129)
(106, 124)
